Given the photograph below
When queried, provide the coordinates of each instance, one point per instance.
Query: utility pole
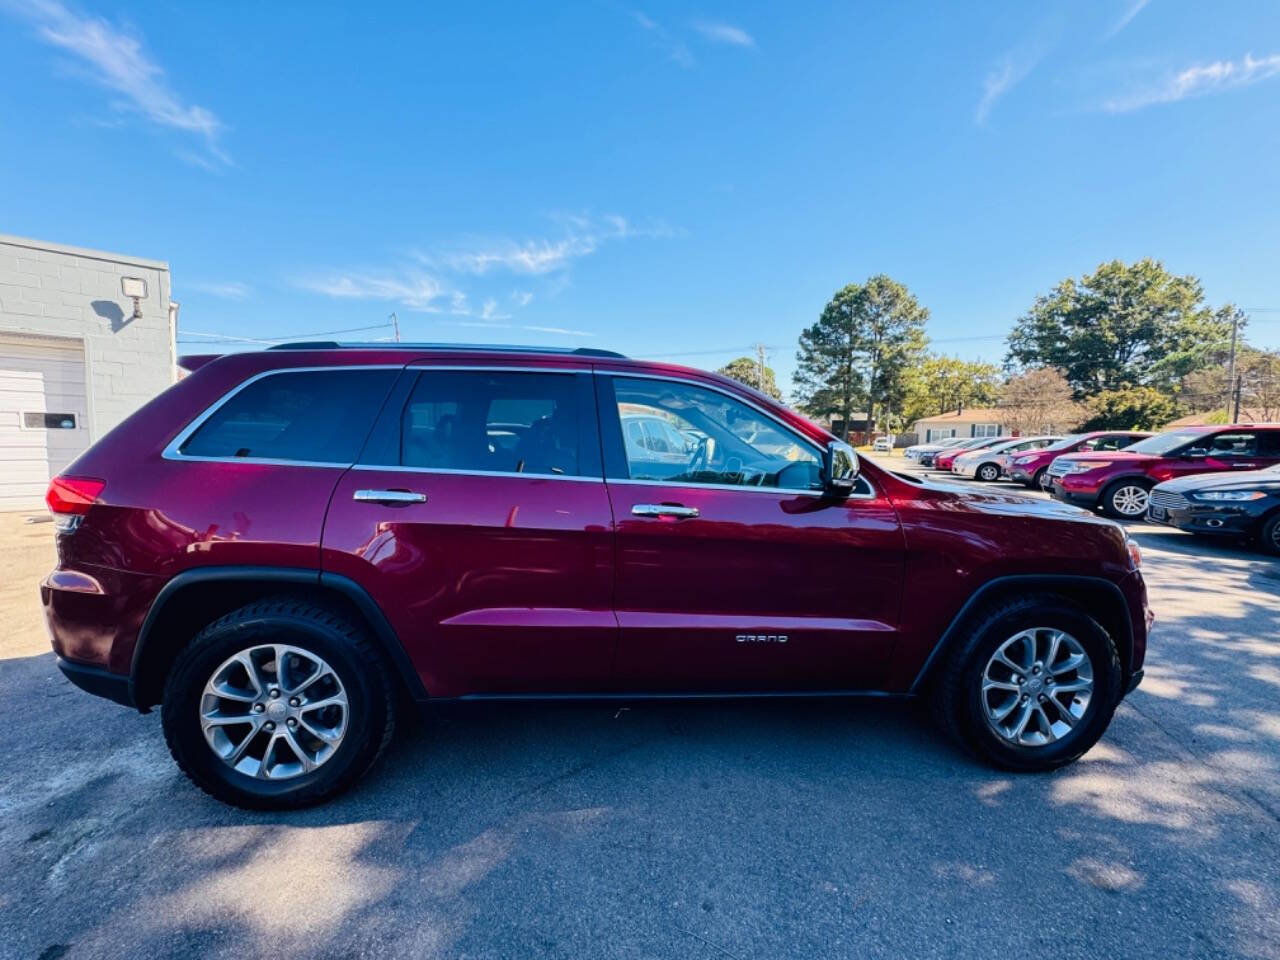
(760, 355)
(395, 323)
(1235, 415)
(1232, 386)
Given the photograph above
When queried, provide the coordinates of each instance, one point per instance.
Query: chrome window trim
(871, 493)
(374, 467)
(173, 450)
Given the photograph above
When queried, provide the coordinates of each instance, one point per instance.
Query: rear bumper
(98, 681)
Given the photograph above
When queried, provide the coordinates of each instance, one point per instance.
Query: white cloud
(440, 282)
(1006, 74)
(582, 237)
(228, 290)
(1133, 8)
(563, 331)
(724, 33)
(117, 61)
(674, 48)
(415, 290)
(1197, 81)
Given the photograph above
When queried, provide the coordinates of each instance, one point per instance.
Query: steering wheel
(701, 456)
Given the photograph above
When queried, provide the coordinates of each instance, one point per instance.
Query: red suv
(1119, 481)
(289, 547)
(1030, 468)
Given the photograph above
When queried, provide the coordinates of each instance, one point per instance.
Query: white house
(86, 338)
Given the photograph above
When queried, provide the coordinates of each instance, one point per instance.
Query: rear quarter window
(310, 416)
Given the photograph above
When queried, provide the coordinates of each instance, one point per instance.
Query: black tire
(1037, 482)
(348, 650)
(1269, 535)
(956, 693)
(988, 472)
(1117, 489)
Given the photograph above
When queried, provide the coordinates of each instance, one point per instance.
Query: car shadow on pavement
(708, 829)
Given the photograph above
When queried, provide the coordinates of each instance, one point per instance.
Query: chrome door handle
(663, 510)
(1244, 466)
(388, 496)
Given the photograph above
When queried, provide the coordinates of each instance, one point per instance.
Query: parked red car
(1030, 468)
(946, 458)
(288, 546)
(1120, 481)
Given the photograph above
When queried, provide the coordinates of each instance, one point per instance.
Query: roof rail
(478, 347)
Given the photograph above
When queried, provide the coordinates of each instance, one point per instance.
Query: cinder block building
(86, 338)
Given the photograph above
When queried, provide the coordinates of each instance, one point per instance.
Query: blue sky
(666, 180)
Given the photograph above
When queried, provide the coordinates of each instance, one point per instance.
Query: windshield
(1162, 443)
(1065, 442)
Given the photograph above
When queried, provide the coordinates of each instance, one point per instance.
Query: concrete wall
(58, 291)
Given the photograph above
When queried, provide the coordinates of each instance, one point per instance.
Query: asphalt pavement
(747, 830)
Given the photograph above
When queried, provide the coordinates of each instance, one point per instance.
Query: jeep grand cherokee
(289, 547)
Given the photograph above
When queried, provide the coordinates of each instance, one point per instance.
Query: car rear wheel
(1127, 499)
(1037, 482)
(988, 472)
(1032, 686)
(1269, 535)
(280, 704)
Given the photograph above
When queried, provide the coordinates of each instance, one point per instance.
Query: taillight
(69, 499)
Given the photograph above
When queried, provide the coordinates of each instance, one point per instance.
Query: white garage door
(44, 415)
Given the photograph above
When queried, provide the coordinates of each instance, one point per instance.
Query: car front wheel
(280, 704)
(1032, 686)
(988, 472)
(1269, 535)
(1126, 499)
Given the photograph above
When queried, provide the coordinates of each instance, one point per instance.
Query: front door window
(680, 433)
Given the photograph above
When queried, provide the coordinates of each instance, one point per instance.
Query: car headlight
(1022, 460)
(1221, 495)
(1084, 466)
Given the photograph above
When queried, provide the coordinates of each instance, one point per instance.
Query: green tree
(939, 383)
(865, 341)
(1130, 408)
(829, 378)
(1120, 326)
(753, 374)
(894, 341)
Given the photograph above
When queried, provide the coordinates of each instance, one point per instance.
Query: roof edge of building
(85, 252)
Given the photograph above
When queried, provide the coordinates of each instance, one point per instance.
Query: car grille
(1168, 500)
(1057, 469)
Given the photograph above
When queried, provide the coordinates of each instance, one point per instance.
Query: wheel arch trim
(384, 634)
(1023, 581)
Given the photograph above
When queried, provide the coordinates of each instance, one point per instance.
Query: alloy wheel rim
(1037, 687)
(1130, 501)
(988, 473)
(274, 711)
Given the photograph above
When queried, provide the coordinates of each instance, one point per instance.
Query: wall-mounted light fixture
(136, 289)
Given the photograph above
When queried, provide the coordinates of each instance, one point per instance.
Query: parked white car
(988, 464)
(918, 450)
(882, 444)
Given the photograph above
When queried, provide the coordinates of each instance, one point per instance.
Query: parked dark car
(289, 546)
(1031, 468)
(1239, 504)
(1120, 481)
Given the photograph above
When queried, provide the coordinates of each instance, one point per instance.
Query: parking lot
(774, 829)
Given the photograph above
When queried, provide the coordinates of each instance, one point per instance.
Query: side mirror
(839, 469)
(1196, 453)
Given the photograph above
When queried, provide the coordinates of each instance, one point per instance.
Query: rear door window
(488, 421)
(308, 416)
